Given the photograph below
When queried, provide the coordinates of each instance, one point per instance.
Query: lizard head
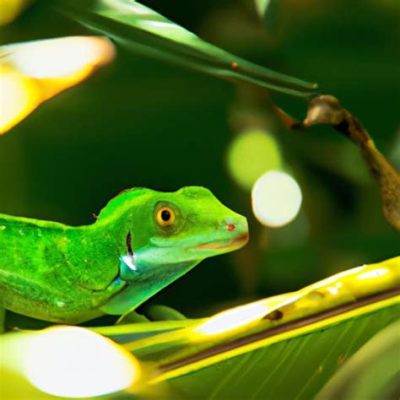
(192, 224)
(175, 227)
(165, 234)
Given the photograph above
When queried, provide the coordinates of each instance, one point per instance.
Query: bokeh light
(251, 154)
(32, 72)
(75, 362)
(276, 198)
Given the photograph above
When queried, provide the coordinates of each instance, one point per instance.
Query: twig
(327, 110)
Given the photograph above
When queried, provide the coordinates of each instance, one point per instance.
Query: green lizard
(141, 242)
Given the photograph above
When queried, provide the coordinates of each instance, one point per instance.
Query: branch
(326, 110)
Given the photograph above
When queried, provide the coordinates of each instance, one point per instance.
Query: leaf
(10, 9)
(147, 32)
(33, 72)
(372, 373)
(287, 346)
(131, 332)
(303, 338)
(326, 109)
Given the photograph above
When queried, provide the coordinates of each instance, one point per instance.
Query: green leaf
(372, 373)
(303, 338)
(146, 32)
(284, 347)
(131, 332)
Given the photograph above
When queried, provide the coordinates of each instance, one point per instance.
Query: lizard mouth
(236, 242)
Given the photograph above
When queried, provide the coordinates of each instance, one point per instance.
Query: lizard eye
(165, 216)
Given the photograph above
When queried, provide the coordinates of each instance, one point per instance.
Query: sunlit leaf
(130, 332)
(147, 32)
(23, 96)
(10, 9)
(301, 337)
(248, 351)
(33, 72)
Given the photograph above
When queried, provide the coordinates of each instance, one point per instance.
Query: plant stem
(327, 110)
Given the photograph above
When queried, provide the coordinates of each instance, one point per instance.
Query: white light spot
(75, 362)
(54, 58)
(233, 319)
(276, 199)
(375, 273)
(335, 288)
(129, 260)
(2, 227)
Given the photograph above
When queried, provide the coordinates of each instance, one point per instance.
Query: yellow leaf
(33, 72)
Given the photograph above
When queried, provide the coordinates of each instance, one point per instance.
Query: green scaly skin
(69, 274)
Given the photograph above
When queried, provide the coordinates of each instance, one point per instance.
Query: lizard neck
(94, 252)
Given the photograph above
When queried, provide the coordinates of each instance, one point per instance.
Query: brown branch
(327, 110)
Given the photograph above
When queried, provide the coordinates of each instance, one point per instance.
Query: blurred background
(140, 122)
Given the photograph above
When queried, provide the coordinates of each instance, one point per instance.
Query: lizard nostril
(230, 227)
